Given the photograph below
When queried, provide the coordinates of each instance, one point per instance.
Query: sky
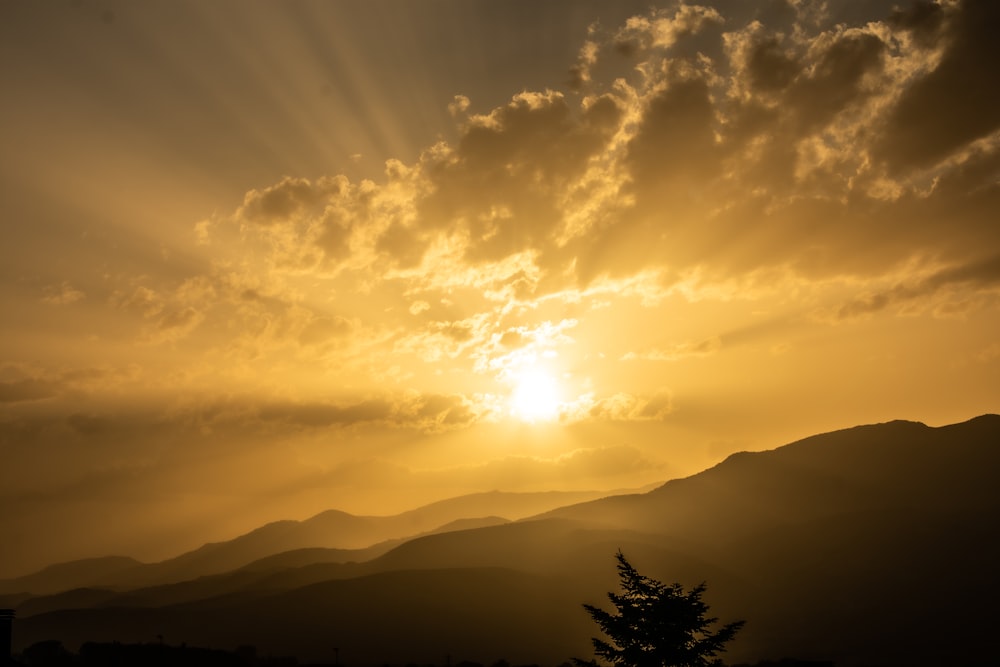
(264, 259)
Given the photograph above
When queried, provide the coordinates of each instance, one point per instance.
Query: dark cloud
(434, 412)
(958, 101)
(771, 68)
(315, 415)
(130, 453)
(35, 385)
(833, 80)
(975, 276)
(27, 389)
(335, 238)
(87, 425)
(178, 320)
(403, 244)
(924, 19)
(459, 332)
(502, 182)
(424, 412)
(674, 148)
(288, 199)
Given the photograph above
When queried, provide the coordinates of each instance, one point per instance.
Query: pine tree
(656, 625)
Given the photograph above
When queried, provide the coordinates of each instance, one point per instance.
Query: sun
(536, 396)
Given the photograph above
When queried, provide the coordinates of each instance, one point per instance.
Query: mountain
(897, 465)
(64, 576)
(344, 536)
(400, 617)
(874, 545)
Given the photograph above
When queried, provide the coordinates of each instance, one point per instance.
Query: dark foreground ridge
(53, 654)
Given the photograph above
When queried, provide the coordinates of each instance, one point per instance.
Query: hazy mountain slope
(74, 574)
(283, 542)
(313, 555)
(281, 572)
(539, 547)
(498, 503)
(893, 465)
(332, 529)
(77, 598)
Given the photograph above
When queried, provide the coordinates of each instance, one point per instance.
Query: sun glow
(536, 396)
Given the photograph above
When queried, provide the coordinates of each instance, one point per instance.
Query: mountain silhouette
(897, 465)
(63, 576)
(873, 545)
(343, 537)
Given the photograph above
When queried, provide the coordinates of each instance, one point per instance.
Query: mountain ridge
(859, 546)
(330, 529)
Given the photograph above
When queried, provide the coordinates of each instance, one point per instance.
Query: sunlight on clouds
(729, 224)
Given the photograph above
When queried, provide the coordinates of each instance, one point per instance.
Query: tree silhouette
(656, 625)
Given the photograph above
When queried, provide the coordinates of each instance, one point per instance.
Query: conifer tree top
(656, 624)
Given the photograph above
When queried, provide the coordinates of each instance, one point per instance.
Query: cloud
(976, 277)
(498, 191)
(62, 295)
(20, 383)
(445, 339)
(427, 413)
(664, 28)
(459, 105)
(702, 153)
(953, 104)
(202, 444)
(715, 145)
(678, 351)
(27, 389)
(587, 58)
(509, 351)
(173, 324)
(288, 200)
(322, 329)
(167, 316)
(619, 407)
(706, 151)
(142, 299)
(87, 425)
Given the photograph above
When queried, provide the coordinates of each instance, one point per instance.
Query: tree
(656, 625)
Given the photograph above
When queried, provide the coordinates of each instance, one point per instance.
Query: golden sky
(263, 259)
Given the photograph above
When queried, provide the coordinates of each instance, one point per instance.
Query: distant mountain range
(875, 545)
(331, 536)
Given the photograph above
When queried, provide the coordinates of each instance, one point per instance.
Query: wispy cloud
(678, 351)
